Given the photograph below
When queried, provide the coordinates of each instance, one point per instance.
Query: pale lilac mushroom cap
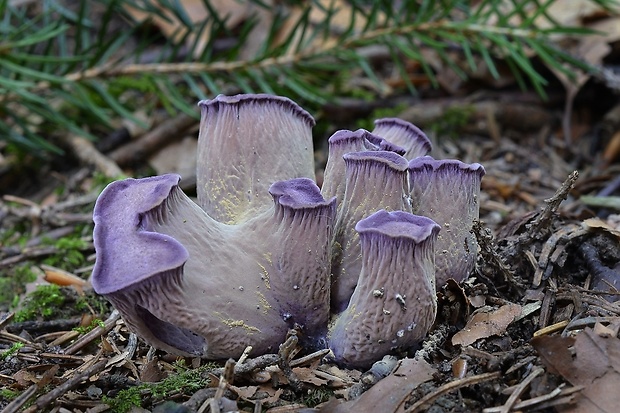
(394, 304)
(404, 134)
(448, 191)
(341, 143)
(246, 143)
(373, 180)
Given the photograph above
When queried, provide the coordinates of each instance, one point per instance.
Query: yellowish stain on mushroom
(229, 322)
(265, 275)
(264, 304)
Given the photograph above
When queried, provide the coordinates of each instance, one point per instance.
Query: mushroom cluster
(264, 249)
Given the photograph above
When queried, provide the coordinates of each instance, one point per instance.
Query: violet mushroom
(341, 143)
(246, 143)
(394, 304)
(262, 248)
(403, 134)
(373, 180)
(193, 285)
(448, 191)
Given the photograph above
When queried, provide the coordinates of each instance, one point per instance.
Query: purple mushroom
(188, 281)
(448, 191)
(246, 143)
(405, 135)
(389, 190)
(394, 304)
(341, 143)
(264, 249)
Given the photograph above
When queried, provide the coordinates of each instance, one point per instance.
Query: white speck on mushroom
(410, 327)
(401, 301)
(400, 333)
(241, 288)
(386, 312)
(286, 316)
(295, 287)
(378, 293)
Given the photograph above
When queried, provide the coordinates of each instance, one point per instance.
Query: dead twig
(542, 222)
(285, 354)
(512, 400)
(94, 333)
(426, 401)
(138, 150)
(86, 152)
(42, 402)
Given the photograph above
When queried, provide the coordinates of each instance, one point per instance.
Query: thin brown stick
(94, 333)
(425, 401)
(45, 400)
(512, 400)
(86, 152)
(26, 395)
(138, 150)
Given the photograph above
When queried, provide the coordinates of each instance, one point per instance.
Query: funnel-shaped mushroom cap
(394, 304)
(193, 286)
(341, 143)
(374, 180)
(246, 143)
(301, 262)
(448, 191)
(405, 135)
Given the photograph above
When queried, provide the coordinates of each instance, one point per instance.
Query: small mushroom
(398, 261)
(246, 143)
(374, 180)
(405, 135)
(341, 143)
(448, 191)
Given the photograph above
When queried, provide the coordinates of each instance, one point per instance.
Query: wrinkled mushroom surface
(264, 250)
(448, 191)
(394, 303)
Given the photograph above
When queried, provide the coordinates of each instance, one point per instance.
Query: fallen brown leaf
(595, 365)
(485, 324)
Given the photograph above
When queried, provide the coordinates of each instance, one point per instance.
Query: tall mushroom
(373, 180)
(448, 191)
(394, 303)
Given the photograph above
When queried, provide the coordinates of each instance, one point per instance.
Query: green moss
(44, 302)
(316, 396)
(93, 324)
(7, 394)
(13, 285)
(185, 381)
(11, 351)
(69, 254)
(451, 123)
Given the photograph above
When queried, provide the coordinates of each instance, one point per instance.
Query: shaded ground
(535, 328)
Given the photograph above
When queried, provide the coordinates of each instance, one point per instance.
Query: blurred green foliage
(79, 70)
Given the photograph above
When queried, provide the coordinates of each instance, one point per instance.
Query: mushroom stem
(193, 286)
(341, 143)
(300, 260)
(394, 304)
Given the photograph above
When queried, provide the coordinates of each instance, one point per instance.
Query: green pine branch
(62, 73)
